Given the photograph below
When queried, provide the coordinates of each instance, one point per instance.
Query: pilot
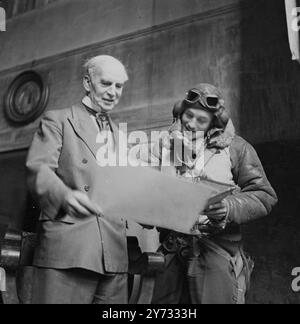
(211, 266)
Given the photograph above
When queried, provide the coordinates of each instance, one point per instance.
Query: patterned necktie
(102, 119)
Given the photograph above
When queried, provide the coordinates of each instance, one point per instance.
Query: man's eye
(106, 84)
(119, 86)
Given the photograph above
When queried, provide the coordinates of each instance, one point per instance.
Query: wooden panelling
(222, 46)
(71, 25)
(17, 7)
(163, 63)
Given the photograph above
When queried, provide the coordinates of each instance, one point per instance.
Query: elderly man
(81, 257)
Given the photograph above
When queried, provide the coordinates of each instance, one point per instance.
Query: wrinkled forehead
(113, 72)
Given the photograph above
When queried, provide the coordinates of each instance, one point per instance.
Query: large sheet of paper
(151, 198)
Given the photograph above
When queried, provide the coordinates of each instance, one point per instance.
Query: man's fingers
(85, 202)
(79, 205)
(74, 213)
(78, 208)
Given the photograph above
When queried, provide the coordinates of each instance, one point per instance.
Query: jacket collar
(81, 123)
(220, 138)
(86, 101)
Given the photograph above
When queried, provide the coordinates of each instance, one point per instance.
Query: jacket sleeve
(257, 197)
(42, 163)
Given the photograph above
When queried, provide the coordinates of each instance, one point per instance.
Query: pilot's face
(197, 120)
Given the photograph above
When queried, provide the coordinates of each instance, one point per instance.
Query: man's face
(105, 86)
(196, 120)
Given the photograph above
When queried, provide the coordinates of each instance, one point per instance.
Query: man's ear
(87, 83)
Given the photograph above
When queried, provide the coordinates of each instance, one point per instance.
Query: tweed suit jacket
(62, 157)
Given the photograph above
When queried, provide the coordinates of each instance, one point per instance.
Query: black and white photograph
(149, 154)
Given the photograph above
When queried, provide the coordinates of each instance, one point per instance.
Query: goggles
(212, 102)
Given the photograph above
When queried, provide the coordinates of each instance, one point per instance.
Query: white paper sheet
(149, 197)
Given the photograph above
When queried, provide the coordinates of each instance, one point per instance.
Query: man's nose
(112, 91)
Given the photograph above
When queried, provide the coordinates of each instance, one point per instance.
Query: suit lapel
(84, 128)
(116, 134)
(87, 132)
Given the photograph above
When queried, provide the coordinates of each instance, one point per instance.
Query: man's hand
(77, 204)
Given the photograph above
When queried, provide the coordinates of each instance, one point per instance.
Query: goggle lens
(192, 96)
(212, 102)
(209, 101)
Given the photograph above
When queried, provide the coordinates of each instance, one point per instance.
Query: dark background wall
(241, 46)
(269, 118)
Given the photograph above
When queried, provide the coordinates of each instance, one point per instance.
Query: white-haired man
(80, 257)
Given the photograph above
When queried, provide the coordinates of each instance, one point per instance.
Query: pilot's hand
(77, 204)
(214, 220)
(217, 212)
(202, 226)
(218, 216)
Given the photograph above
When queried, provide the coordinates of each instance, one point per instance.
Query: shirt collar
(87, 102)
